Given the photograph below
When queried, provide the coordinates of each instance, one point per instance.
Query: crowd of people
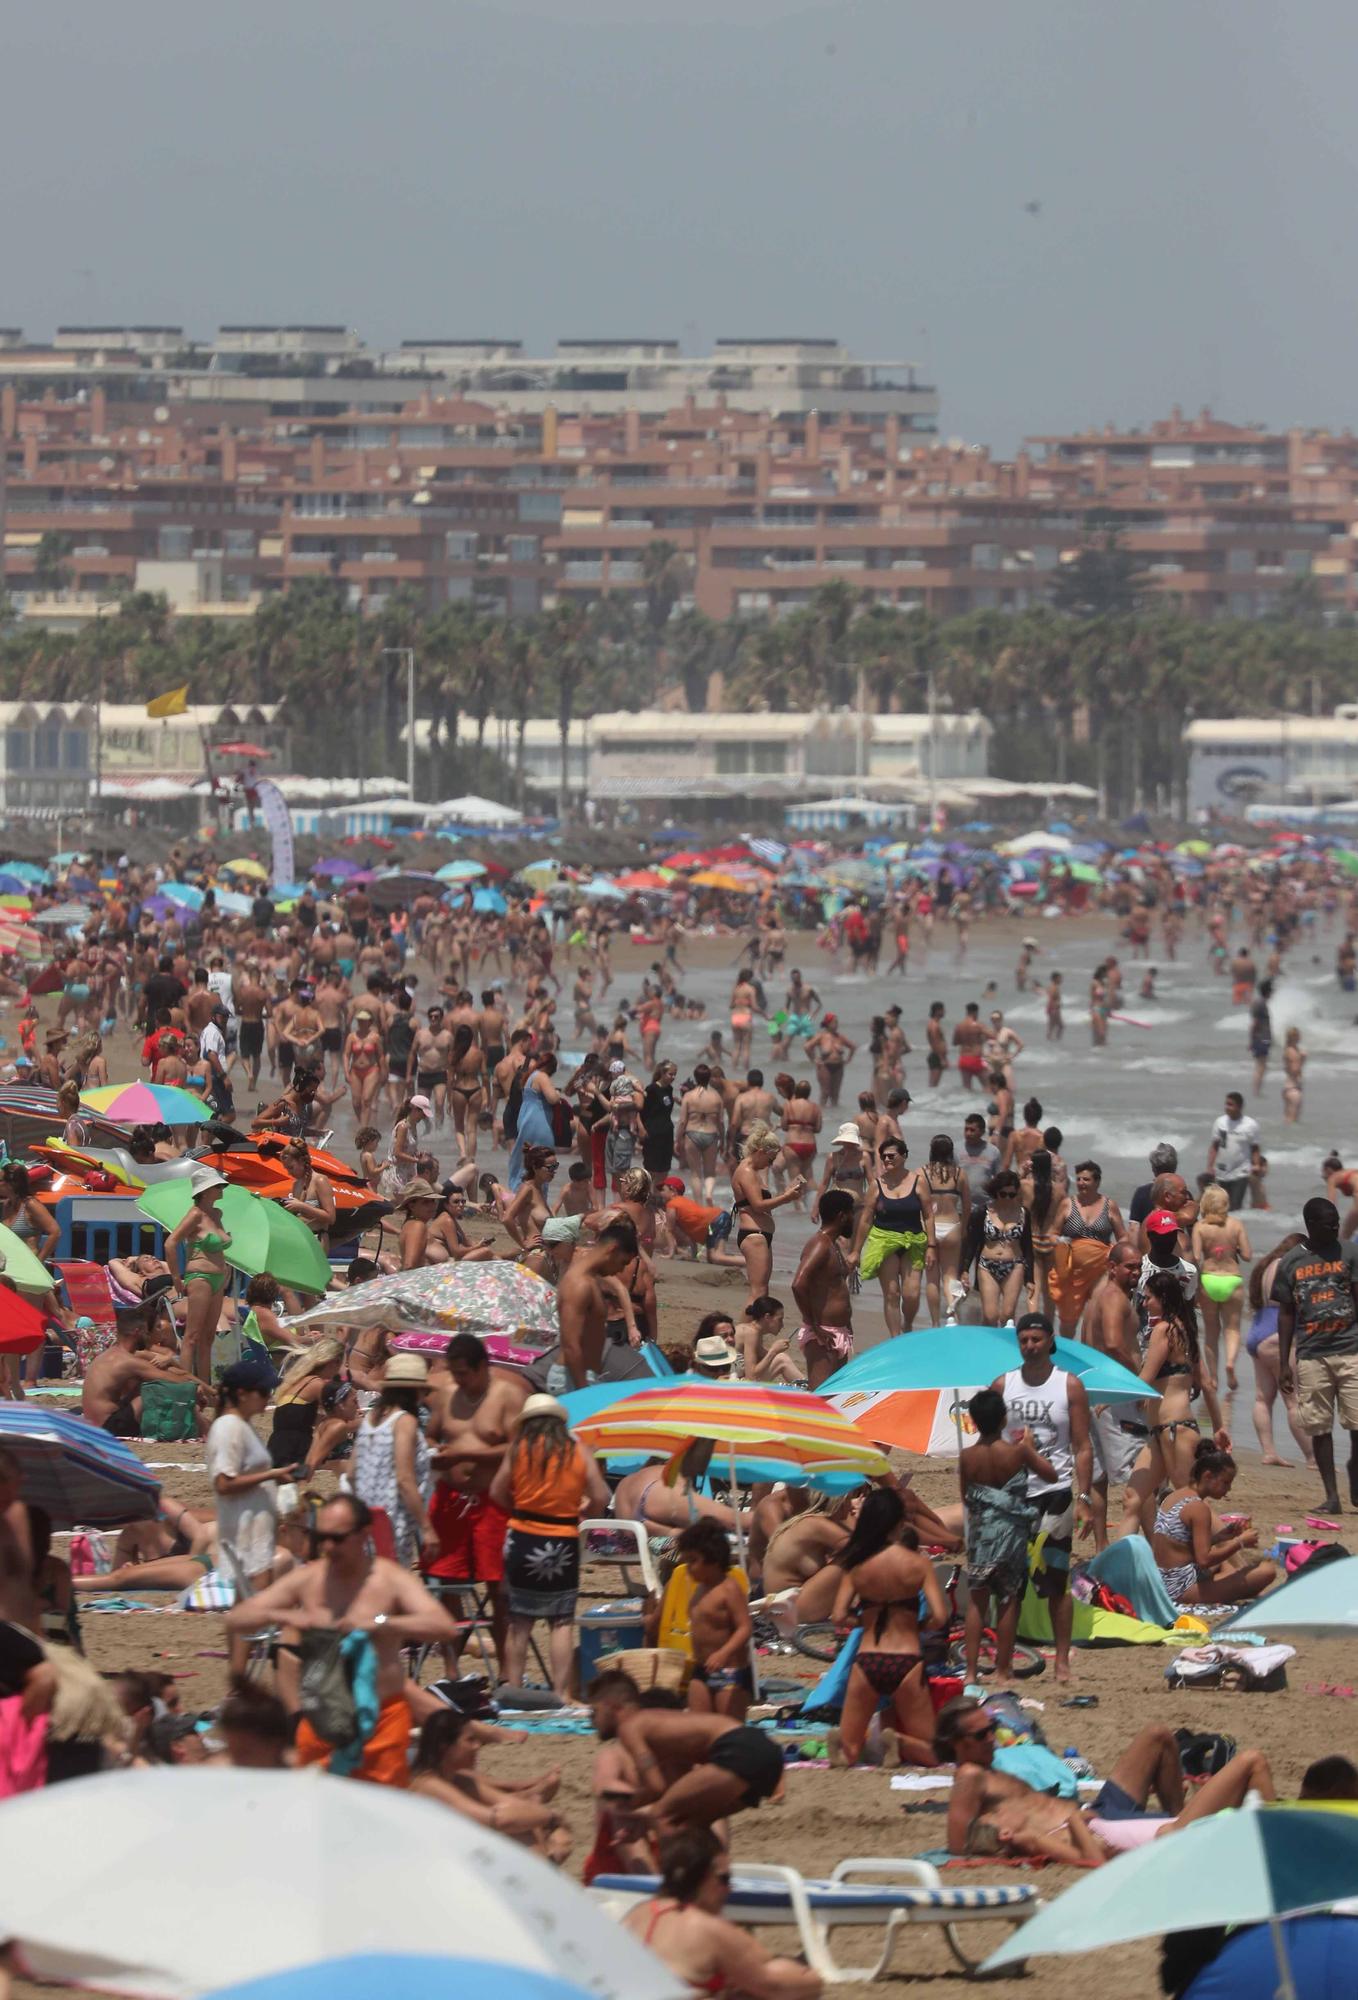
(358, 1489)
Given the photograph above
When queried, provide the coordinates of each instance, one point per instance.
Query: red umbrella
(22, 1327)
(242, 750)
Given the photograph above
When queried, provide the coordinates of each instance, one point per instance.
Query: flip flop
(1318, 1521)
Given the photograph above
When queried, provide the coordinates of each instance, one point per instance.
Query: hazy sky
(701, 167)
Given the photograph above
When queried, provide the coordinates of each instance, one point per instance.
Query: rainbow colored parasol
(147, 1104)
(789, 1426)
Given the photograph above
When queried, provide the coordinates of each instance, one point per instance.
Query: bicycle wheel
(818, 1641)
(1027, 1661)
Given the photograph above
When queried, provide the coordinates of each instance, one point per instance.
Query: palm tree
(565, 649)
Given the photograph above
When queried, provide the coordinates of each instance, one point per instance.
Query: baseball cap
(1162, 1222)
(673, 1183)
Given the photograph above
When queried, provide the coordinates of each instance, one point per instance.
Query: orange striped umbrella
(788, 1426)
(920, 1420)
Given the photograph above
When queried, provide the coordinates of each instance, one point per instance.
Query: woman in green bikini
(203, 1240)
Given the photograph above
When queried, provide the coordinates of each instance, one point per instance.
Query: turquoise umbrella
(460, 871)
(1322, 1602)
(1247, 1867)
(954, 1357)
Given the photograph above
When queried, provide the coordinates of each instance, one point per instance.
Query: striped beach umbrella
(147, 1104)
(789, 1426)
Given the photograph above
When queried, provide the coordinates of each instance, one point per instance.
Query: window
(240, 542)
(522, 548)
(540, 507)
(460, 545)
(175, 544)
(735, 760)
(18, 750)
(768, 757)
(985, 555)
(74, 749)
(318, 506)
(47, 747)
(1240, 561)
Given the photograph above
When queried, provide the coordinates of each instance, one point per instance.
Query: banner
(273, 808)
(176, 702)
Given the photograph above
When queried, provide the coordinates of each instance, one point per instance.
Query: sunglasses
(323, 1536)
(979, 1735)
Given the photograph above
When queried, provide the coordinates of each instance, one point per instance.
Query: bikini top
(1075, 1228)
(211, 1242)
(1169, 1523)
(1001, 1232)
(715, 1983)
(902, 1213)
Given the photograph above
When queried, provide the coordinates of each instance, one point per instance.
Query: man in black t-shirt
(163, 989)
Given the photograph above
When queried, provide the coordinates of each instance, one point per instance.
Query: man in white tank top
(1051, 1404)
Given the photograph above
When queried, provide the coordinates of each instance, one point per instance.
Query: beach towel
(827, 1696)
(1128, 1567)
(1092, 1627)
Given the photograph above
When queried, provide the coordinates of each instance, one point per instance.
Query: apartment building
(512, 509)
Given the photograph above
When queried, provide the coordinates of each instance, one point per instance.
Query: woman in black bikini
(886, 1576)
(1006, 1251)
(466, 1088)
(754, 1205)
(1173, 1367)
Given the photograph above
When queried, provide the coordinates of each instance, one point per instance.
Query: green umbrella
(1347, 860)
(264, 1235)
(1081, 871)
(1246, 1867)
(20, 1266)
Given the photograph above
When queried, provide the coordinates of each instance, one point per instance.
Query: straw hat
(714, 1352)
(204, 1178)
(417, 1190)
(406, 1371)
(847, 1135)
(540, 1406)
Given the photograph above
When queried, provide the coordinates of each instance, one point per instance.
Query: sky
(695, 168)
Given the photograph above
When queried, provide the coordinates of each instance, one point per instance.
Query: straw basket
(651, 1667)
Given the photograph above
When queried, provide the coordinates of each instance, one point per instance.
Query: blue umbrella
(413, 1977)
(601, 890)
(26, 872)
(1322, 1601)
(183, 892)
(461, 871)
(489, 901)
(1320, 1952)
(13, 885)
(953, 1357)
(81, 1475)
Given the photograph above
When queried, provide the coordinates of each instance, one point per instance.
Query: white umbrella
(1036, 843)
(316, 1867)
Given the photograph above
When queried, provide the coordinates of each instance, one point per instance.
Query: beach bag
(512, 1104)
(327, 1698)
(1311, 1555)
(169, 1411)
(563, 1123)
(1203, 1752)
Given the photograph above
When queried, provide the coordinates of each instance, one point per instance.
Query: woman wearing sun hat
(203, 1238)
(391, 1459)
(545, 1483)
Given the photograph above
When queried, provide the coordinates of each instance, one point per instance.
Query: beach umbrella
(255, 869)
(20, 1264)
(432, 1881)
(646, 878)
(913, 1391)
(61, 915)
(718, 878)
(65, 860)
(414, 1976)
(1199, 849)
(601, 890)
(750, 1468)
(1036, 843)
(540, 872)
(1320, 1957)
(12, 884)
(23, 1328)
(1346, 860)
(147, 1104)
(265, 1236)
(461, 871)
(685, 860)
(1322, 1601)
(491, 1297)
(1247, 1867)
(1084, 871)
(81, 1475)
(336, 869)
(25, 871)
(232, 902)
(184, 893)
(489, 902)
(787, 1426)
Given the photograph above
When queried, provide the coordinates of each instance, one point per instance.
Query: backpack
(1311, 1555)
(327, 1699)
(169, 1411)
(512, 1104)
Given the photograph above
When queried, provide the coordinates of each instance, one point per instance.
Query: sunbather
(991, 1812)
(692, 1769)
(683, 1925)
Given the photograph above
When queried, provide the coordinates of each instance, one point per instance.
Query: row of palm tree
(1096, 684)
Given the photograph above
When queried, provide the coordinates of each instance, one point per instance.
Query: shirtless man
(691, 1769)
(433, 1040)
(251, 998)
(968, 1039)
(1120, 1429)
(347, 1589)
(754, 1105)
(492, 1027)
(992, 1813)
(584, 1353)
(333, 1001)
(936, 1038)
(469, 1427)
(821, 1289)
(111, 1392)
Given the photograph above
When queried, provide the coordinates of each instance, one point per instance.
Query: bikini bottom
(884, 1672)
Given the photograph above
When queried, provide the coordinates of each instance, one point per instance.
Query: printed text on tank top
(1044, 1409)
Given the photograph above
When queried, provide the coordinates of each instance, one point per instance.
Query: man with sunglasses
(348, 1590)
(993, 1812)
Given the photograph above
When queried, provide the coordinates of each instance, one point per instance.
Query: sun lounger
(899, 1894)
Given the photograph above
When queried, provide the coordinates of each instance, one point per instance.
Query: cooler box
(617, 1627)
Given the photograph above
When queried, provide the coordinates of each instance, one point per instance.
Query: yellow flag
(174, 703)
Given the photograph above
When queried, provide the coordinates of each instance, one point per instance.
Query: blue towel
(1039, 1767)
(827, 1696)
(360, 1665)
(1128, 1567)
